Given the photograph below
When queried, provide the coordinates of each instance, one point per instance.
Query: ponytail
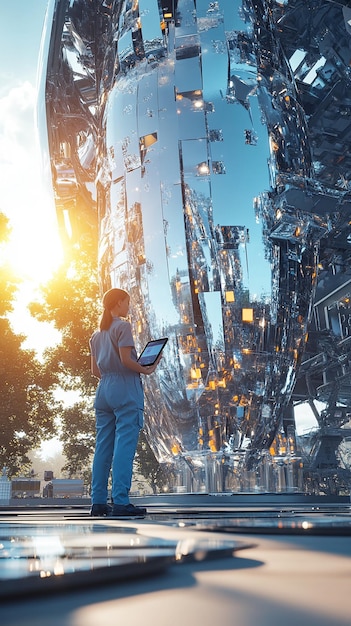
(105, 320)
(109, 301)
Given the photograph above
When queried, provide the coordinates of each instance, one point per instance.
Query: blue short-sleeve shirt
(104, 346)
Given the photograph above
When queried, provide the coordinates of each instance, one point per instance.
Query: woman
(119, 406)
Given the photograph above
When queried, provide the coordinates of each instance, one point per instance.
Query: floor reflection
(52, 549)
(42, 555)
(280, 524)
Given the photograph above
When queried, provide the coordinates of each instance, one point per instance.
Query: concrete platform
(191, 561)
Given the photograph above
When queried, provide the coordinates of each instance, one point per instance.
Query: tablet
(152, 351)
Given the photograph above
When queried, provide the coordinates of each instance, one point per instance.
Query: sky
(25, 197)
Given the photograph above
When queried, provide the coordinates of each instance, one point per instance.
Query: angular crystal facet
(213, 197)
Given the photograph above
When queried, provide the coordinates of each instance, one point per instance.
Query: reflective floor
(39, 553)
(63, 556)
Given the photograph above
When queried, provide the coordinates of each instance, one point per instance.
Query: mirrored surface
(216, 135)
(43, 555)
(279, 524)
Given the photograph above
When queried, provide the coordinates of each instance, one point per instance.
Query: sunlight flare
(34, 250)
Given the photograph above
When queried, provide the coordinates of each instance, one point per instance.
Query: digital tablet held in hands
(152, 351)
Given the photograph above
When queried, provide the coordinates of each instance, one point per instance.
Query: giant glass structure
(208, 143)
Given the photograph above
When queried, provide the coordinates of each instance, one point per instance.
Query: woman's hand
(149, 369)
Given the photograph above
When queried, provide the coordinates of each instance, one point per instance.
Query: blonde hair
(109, 301)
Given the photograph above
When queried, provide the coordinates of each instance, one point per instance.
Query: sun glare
(34, 250)
(49, 449)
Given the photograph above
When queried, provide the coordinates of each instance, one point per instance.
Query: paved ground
(187, 563)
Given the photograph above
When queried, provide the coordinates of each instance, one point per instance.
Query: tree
(71, 301)
(79, 440)
(26, 413)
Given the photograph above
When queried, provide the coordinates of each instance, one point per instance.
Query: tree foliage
(78, 434)
(26, 412)
(71, 302)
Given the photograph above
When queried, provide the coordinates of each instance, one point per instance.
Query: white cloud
(25, 196)
(17, 125)
(19, 152)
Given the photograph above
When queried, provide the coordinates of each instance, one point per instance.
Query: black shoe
(100, 510)
(128, 510)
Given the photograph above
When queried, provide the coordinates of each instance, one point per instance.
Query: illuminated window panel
(247, 315)
(229, 296)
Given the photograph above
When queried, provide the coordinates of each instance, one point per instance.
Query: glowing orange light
(247, 315)
(195, 373)
(175, 449)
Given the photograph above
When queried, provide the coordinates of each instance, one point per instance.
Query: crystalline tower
(179, 125)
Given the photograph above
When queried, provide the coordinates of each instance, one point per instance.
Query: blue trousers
(119, 405)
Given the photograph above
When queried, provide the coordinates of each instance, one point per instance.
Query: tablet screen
(152, 351)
